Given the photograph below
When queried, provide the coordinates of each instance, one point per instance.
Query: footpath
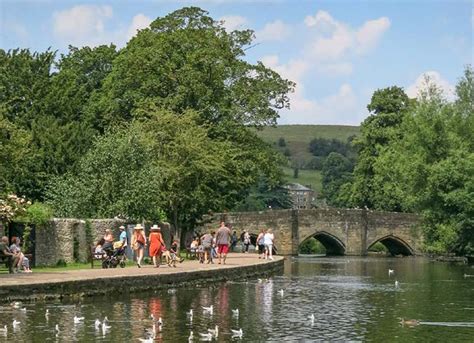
(88, 282)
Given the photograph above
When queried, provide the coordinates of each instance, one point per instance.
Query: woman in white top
(268, 239)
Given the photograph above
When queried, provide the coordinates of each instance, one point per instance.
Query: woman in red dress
(156, 244)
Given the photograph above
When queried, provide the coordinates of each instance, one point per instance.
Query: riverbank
(82, 283)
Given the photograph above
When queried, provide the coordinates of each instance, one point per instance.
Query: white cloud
(90, 25)
(139, 22)
(339, 108)
(233, 22)
(332, 39)
(335, 69)
(82, 24)
(423, 81)
(274, 31)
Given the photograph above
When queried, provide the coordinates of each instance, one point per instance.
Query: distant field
(310, 178)
(297, 137)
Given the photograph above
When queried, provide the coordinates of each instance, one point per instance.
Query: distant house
(301, 196)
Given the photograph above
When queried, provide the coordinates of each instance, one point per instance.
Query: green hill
(297, 138)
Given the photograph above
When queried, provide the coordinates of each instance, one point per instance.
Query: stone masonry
(341, 231)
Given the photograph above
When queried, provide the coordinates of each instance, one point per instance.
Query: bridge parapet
(341, 231)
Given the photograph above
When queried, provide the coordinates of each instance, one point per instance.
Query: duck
(237, 333)
(214, 332)
(97, 324)
(191, 336)
(282, 292)
(46, 314)
(391, 272)
(311, 317)
(23, 309)
(16, 323)
(4, 330)
(235, 312)
(409, 322)
(16, 304)
(397, 283)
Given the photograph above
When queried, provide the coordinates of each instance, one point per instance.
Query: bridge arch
(395, 245)
(332, 244)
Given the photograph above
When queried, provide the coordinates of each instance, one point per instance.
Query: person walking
(246, 241)
(222, 239)
(138, 243)
(156, 245)
(206, 241)
(260, 243)
(268, 240)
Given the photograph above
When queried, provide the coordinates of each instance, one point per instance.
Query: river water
(351, 298)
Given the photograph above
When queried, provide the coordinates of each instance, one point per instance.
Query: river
(351, 298)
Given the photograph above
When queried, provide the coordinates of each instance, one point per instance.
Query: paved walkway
(233, 260)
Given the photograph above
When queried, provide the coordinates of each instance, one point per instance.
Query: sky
(338, 52)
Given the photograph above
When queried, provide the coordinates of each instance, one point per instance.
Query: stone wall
(65, 239)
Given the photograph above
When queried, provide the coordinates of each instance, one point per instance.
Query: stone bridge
(341, 231)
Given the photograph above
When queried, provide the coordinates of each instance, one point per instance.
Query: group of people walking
(214, 244)
(207, 247)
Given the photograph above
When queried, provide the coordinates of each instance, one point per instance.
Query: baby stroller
(115, 255)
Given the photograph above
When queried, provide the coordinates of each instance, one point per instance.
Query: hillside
(297, 138)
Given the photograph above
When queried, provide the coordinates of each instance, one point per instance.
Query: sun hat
(121, 227)
(155, 228)
(138, 227)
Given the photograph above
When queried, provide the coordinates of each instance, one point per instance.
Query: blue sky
(338, 52)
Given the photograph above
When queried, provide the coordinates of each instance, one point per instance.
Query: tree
(387, 107)
(187, 60)
(336, 171)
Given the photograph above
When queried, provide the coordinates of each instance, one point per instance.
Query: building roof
(297, 187)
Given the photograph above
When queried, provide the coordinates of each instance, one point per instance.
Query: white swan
(214, 332)
(4, 330)
(237, 333)
(16, 304)
(397, 284)
(15, 323)
(78, 320)
(191, 336)
(23, 309)
(97, 324)
(235, 312)
(206, 336)
(46, 314)
(391, 272)
(105, 327)
(282, 292)
(311, 317)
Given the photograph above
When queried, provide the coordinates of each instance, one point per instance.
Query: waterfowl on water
(4, 330)
(409, 322)
(214, 332)
(235, 312)
(15, 323)
(191, 336)
(209, 309)
(391, 272)
(237, 333)
(78, 320)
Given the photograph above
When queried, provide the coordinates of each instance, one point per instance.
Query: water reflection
(352, 299)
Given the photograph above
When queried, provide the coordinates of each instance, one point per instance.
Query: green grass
(310, 178)
(297, 138)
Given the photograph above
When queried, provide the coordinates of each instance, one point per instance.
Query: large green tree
(187, 60)
(388, 108)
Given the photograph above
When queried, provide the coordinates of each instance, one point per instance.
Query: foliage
(311, 246)
(37, 214)
(336, 171)
(187, 60)
(388, 108)
(263, 197)
(323, 147)
(422, 160)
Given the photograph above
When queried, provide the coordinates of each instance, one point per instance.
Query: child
(200, 252)
(174, 251)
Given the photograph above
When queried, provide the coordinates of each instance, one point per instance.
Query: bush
(37, 214)
(281, 142)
